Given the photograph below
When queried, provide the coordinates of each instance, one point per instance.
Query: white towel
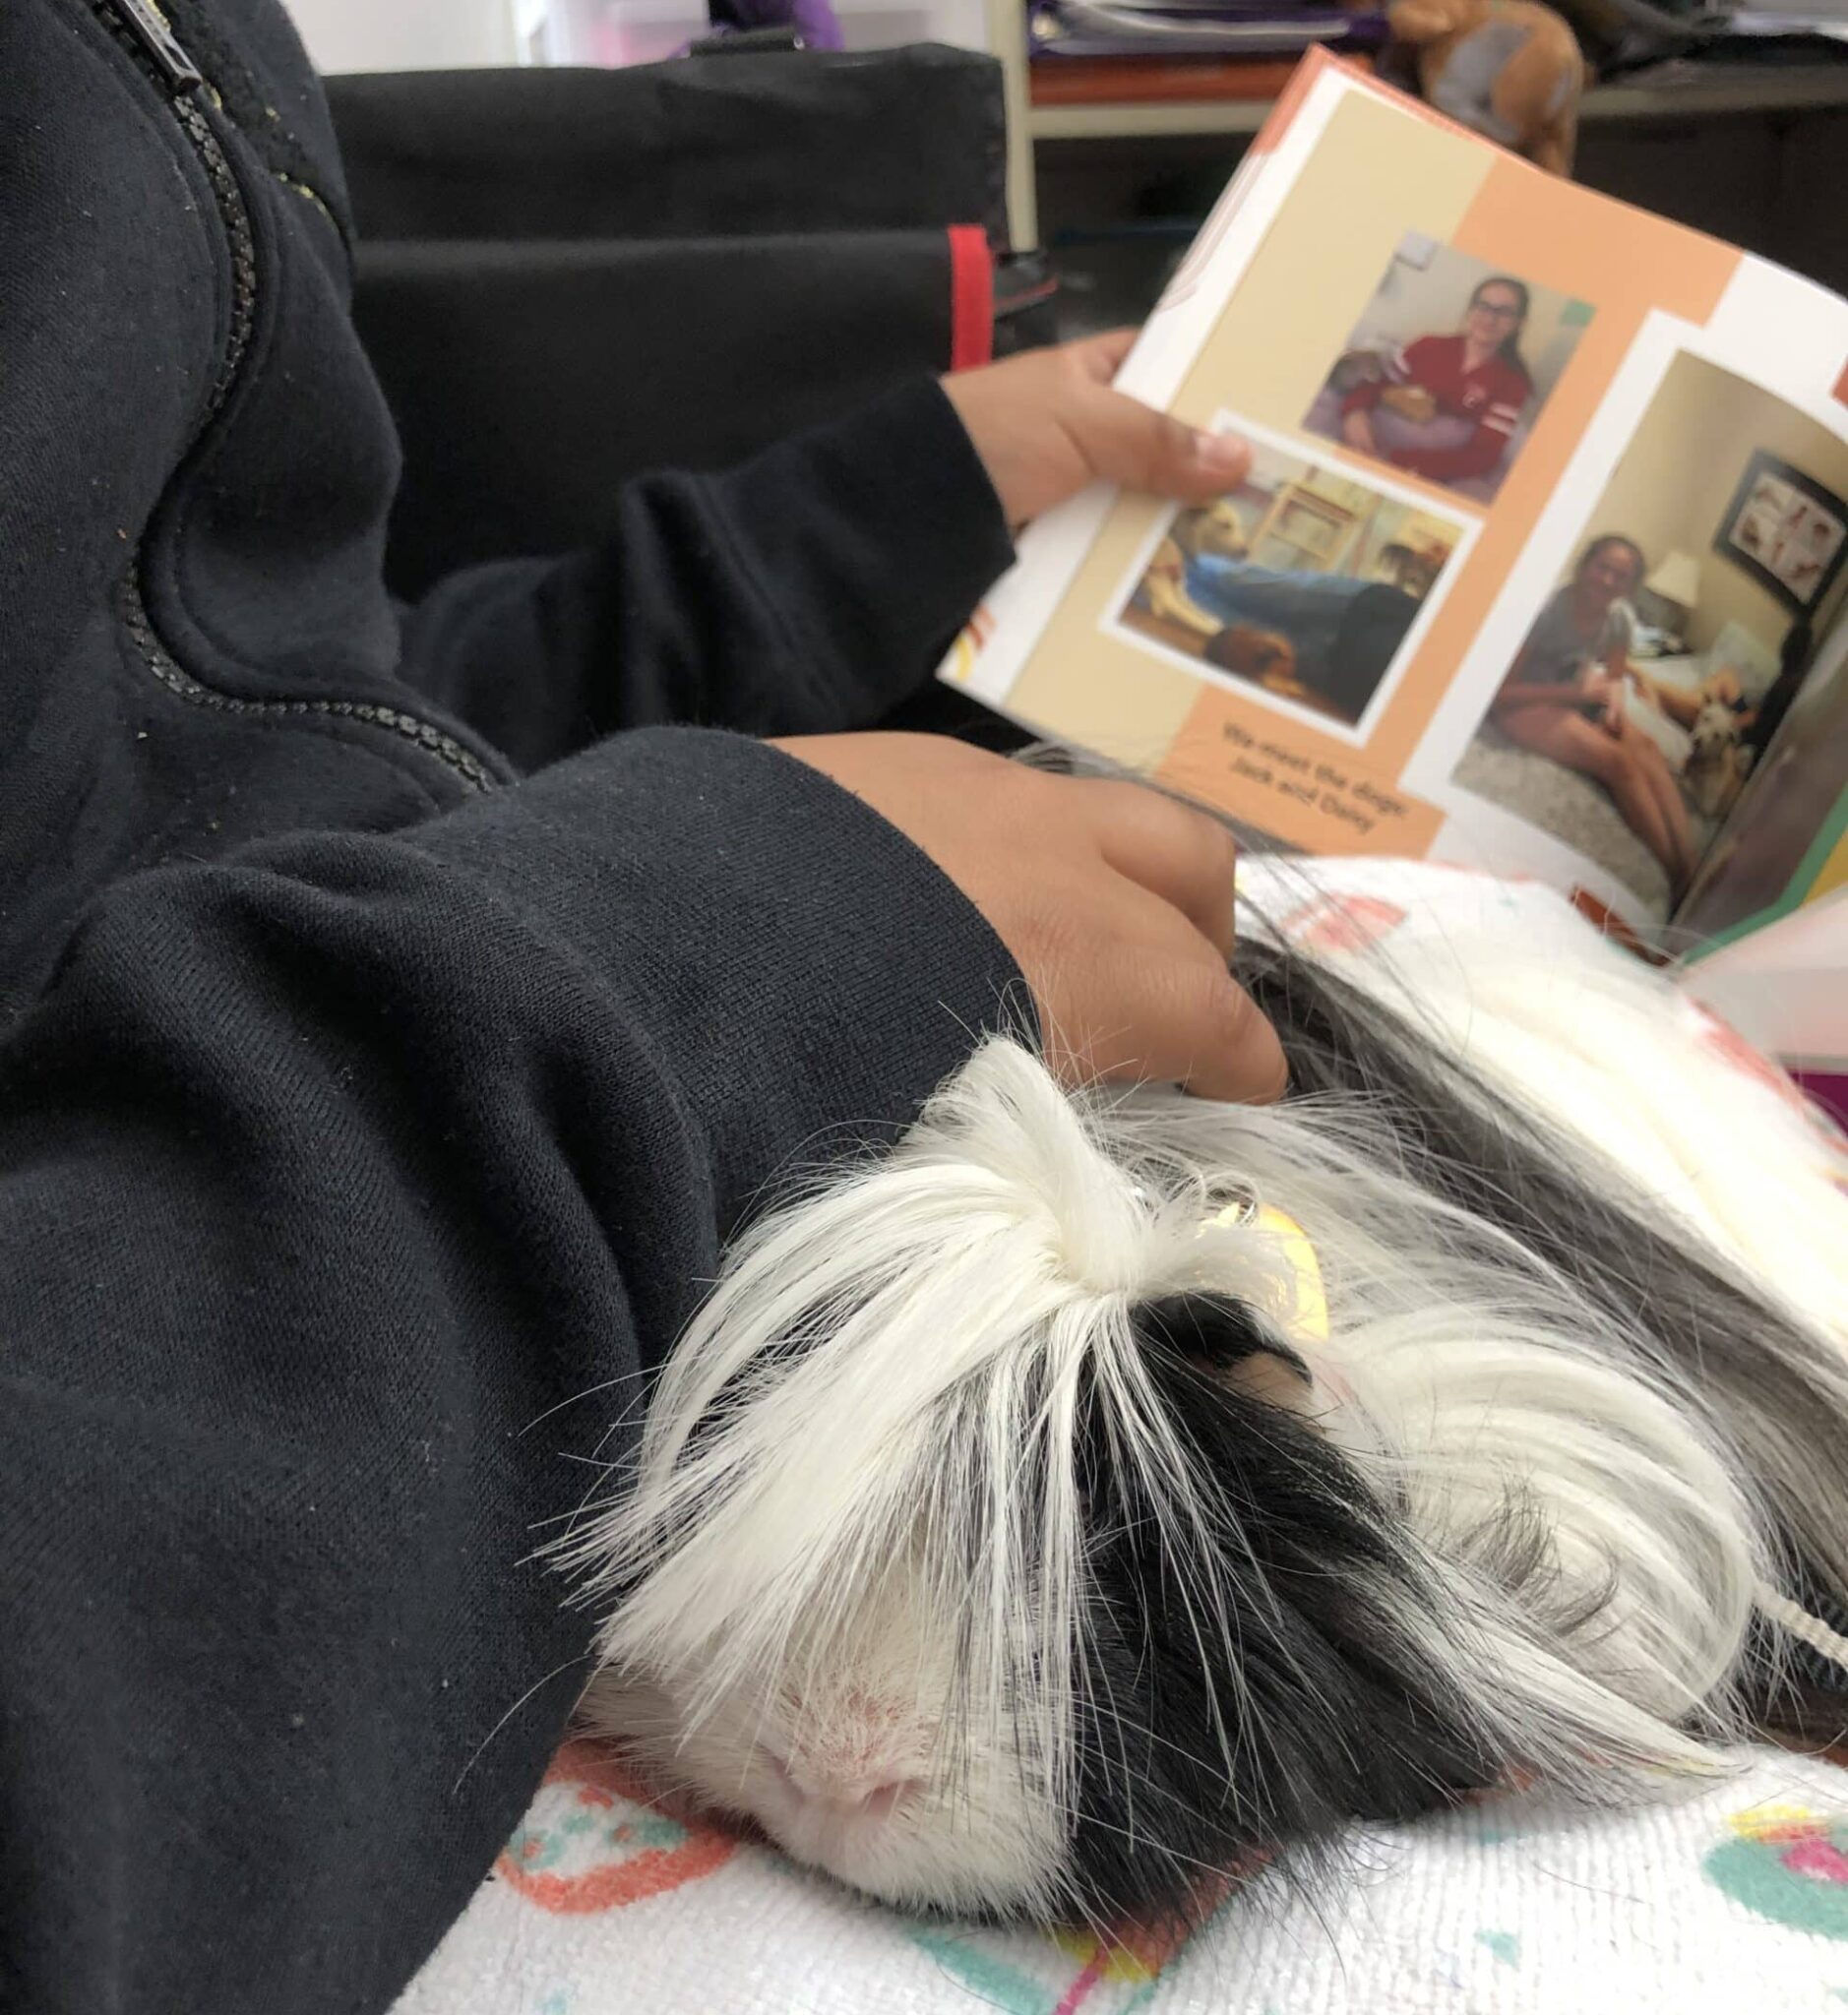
(1734, 1900)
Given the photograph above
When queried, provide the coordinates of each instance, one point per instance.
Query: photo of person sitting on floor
(1564, 699)
(1301, 584)
(1627, 708)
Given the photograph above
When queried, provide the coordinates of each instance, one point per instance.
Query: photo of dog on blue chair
(1303, 584)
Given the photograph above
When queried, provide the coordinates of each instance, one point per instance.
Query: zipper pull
(148, 26)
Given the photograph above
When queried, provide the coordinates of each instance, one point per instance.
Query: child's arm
(809, 589)
(348, 1186)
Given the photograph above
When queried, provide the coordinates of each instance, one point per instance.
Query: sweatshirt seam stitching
(333, 730)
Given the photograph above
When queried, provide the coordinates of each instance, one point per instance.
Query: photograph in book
(1448, 367)
(1303, 586)
(1653, 679)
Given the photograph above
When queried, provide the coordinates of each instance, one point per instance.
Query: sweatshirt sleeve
(347, 1188)
(809, 591)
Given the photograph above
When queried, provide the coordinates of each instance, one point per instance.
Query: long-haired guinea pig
(1095, 1494)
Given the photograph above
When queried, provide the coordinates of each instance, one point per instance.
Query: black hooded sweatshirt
(397, 1009)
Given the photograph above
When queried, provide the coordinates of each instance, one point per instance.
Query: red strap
(971, 298)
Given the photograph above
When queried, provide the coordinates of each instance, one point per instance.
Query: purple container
(1223, 28)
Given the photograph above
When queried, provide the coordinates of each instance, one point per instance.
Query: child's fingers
(1115, 904)
(1179, 854)
(1149, 998)
(1101, 357)
(1126, 441)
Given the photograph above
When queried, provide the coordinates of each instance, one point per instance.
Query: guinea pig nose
(883, 1799)
(870, 1796)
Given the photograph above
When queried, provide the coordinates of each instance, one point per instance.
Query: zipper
(139, 27)
(148, 27)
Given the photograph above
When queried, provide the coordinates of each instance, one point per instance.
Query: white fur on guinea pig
(855, 1767)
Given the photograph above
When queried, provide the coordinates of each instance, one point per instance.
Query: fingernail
(1223, 453)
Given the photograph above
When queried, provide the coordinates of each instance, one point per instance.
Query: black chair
(567, 277)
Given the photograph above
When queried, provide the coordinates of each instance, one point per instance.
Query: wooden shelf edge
(1749, 91)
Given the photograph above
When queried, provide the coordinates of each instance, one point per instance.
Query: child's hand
(1046, 424)
(1115, 901)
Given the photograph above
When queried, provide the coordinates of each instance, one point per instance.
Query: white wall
(406, 35)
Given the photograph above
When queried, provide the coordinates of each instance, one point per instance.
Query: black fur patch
(1325, 1712)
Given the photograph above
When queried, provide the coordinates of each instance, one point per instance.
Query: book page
(1546, 496)
(1785, 846)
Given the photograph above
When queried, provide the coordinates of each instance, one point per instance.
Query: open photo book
(1541, 565)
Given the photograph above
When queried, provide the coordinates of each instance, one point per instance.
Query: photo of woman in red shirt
(1476, 377)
